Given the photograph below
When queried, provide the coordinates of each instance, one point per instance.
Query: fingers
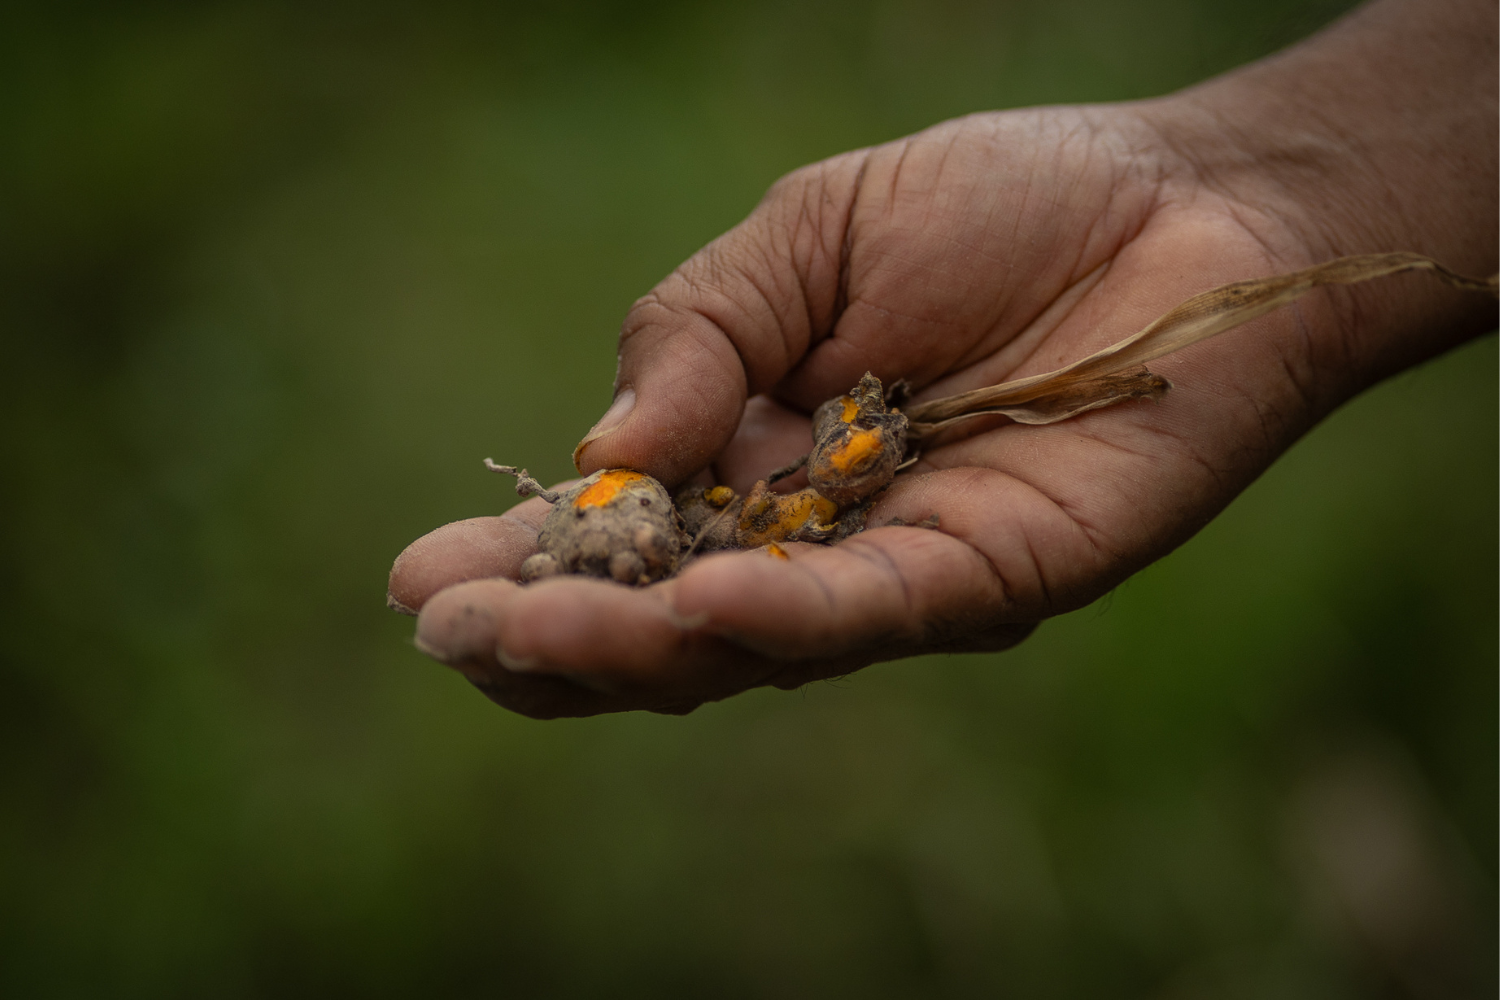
(882, 594)
(913, 259)
(726, 325)
(1046, 562)
(475, 549)
(570, 646)
(1003, 556)
(576, 646)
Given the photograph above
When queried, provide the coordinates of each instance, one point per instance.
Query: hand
(980, 250)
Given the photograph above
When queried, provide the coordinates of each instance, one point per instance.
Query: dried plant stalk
(1116, 373)
(620, 524)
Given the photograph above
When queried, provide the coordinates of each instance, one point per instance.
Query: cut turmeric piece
(862, 448)
(857, 443)
(774, 517)
(606, 488)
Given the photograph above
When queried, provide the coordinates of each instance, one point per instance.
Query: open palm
(983, 249)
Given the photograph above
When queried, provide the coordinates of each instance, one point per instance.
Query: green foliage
(273, 280)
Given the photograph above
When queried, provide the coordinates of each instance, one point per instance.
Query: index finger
(727, 324)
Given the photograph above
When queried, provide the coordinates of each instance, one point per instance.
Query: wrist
(1378, 134)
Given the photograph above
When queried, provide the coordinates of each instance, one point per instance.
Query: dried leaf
(1115, 374)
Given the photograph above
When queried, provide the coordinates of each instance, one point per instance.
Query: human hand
(984, 249)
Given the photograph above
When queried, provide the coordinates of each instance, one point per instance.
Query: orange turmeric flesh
(622, 525)
(862, 448)
(607, 488)
(771, 517)
(858, 440)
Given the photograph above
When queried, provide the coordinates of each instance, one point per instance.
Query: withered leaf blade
(1116, 373)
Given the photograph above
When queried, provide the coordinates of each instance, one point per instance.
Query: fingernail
(516, 664)
(398, 607)
(613, 417)
(452, 635)
(428, 648)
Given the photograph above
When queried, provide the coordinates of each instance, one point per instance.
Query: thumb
(726, 325)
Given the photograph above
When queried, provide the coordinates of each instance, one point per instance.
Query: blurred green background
(274, 277)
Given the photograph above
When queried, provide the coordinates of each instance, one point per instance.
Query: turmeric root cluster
(621, 525)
